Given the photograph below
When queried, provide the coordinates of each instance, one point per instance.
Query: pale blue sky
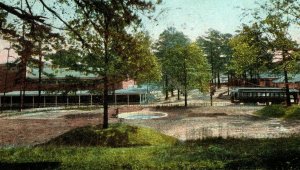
(195, 17)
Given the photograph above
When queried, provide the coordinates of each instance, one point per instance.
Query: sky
(193, 18)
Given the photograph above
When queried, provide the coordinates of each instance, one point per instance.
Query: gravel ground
(185, 124)
(41, 126)
(203, 122)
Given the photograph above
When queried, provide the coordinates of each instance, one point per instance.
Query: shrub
(272, 111)
(293, 112)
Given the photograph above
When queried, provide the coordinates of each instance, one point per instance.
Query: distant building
(53, 79)
(266, 79)
(294, 82)
(59, 87)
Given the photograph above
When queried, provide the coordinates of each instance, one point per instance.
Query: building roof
(268, 75)
(261, 89)
(131, 90)
(57, 73)
(46, 93)
(143, 89)
(292, 79)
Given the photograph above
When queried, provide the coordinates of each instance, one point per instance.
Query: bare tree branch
(66, 24)
(21, 13)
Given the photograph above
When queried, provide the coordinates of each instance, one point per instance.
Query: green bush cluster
(272, 111)
(293, 112)
(280, 111)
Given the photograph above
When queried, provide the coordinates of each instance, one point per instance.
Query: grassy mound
(118, 135)
(280, 111)
(272, 111)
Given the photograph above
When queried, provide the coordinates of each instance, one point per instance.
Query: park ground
(34, 127)
(225, 136)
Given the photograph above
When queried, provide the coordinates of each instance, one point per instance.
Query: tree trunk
(23, 81)
(215, 79)
(185, 96)
(147, 98)
(178, 94)
(105, 103)
(245, 79)
(228, 83)
(219, 81)
(114, 92)
(286, 81)
(172, 92)
(251, 78)
(211, 99)
(287, 89)
(166, 87)
(40, 74)
(185, 83)
(6, 74)
(105, 78)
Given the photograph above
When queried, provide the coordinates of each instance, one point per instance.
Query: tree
(101, 27)
(279, 40)
(194, 68)
(145, 68)
(135, 60)
(275, 25)
(104, 24)
(168, 40)
(215, 45)
(251, 53)
(24, 32)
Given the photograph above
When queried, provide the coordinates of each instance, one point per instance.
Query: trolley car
(262, 95)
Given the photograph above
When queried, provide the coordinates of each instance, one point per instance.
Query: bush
(272, 111)
(293, 112)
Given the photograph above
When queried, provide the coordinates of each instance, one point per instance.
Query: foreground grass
(215, 153)
(280, 111)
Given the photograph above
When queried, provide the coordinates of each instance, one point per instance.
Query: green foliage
(218, 52)
(167, 53)
(250, 51)
(279, 111)
(293, 112)
(183, 63)
(118, 135)
(194, 67)
(143, 65)
(272, 111)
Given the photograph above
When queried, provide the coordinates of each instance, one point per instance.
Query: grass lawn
(215, 153)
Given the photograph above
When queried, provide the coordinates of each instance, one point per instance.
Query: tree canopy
(217, 51)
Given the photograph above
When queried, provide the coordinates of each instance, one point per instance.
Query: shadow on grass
(30, 165)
